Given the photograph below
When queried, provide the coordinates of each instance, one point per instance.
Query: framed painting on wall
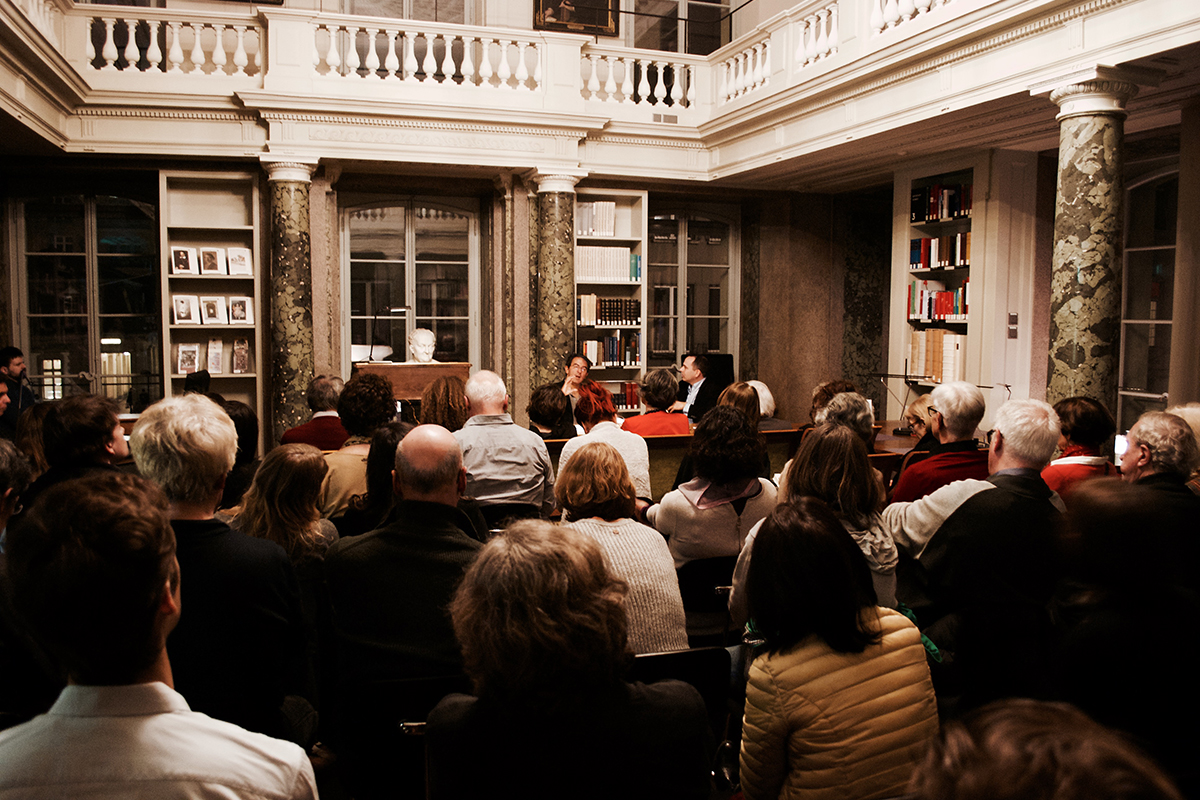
(595, 17)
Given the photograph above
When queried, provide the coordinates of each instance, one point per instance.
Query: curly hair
(444, 402)
(1169, 439)
(595, 482)
(281, 503)
(725, 448)
(540, 618)
(833, 467)
(744, 398)
(595, 404)
(367, 402)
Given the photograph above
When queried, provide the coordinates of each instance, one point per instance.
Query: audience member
(1190, 413)
(325, 430)
(1024, 749)
(281, 503)
(987, 561)
(505, 463)
(742, 397)
(444, 403)
(766, 409)
(839, 701)
(917, 416)
(240, 650)
(81, 433)
(598, 500)
(1086, 426)
(246, 461)
(15, 477)
(16, 387)
(710, 515)
(543, 632)
(852, 410)
(832, 466)
(30, 438)
(598, 416)
(95, 574)
(697, 395)
(822, 393)
(367, 402)
(957, 410)
(658, 390)
(372, 509)
(549, 413)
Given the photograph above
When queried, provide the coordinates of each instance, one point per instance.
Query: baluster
(801, 28)
(372, 61)
(332, 59)
(835, 37)
(723, 92)
(644, 83)
(759, 70)
(485, 62)
(240, 60)
(503, 68)
(391, 60)
(316, 49)
(739, 74)
(218, 54)
(660, 88)
(153, 51)
(90, 48)
(877, 16)
(410, 56)
(197, 54)
(448, 71)
(907, 8)
(522, 74)
(691, 86)
(109, 51)
(810, 39)
(923, 6)
(132, 54)
(537, 67)
(175, 51)
(891, 13)
(676, 93)
(593, 81)
(627, 80)
(429, 62)
(468, 65)
(352, 60)
(610, 81)
(766, 62)
(822, 37)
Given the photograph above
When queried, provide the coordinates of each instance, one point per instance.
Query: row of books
(623, 350)
(211, 261)
(936, 203)
(596, 218)
(625, 395)
(931, 300)
(187, 357)
(940, 252)
(938, 354)
(607, 264)
(115, 364)
(190, 309)
(592, 309)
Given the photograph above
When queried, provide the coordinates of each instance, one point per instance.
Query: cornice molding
(643, 141)
(421, 125)
(138, 113)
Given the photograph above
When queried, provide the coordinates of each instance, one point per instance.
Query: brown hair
(595, 482)
(832, 465)
(1084, 421)
(1024, 749)
(824, 392)
(744, 398)
(281, 503)
(78, 429)
(540, 618)
(367, 402)
(29, 436)
(444, 402)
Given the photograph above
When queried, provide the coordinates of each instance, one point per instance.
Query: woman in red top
(658, 390)
(1086, 426)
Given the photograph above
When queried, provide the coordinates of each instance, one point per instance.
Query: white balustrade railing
(46, 16)
(621, 76)
(746, 71)
(420, 53)
(886, 14)
(819, 35)
(123, 39)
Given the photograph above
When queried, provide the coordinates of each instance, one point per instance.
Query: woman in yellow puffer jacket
(839, 702)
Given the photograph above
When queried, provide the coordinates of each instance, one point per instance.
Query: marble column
(291, 355)
(553, 325)
(1085, 292)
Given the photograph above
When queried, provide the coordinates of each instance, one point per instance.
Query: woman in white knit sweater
(597, 496)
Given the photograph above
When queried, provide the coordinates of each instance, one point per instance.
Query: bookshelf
(610, 288)
(212, 271)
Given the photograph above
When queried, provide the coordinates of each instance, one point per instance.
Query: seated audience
(1025, 749)
(710, 515)
(81, 433)
(246, 462)
(444, 403)
(986, 562)
(549, 413)
(658, 390)
(1189, 413)
(367, 402)
(957, 410)
(505, 463)
(1086, 427)
(371, 509)
(839, 702)
(740, 396)
(94, 573)
(598, 500)
(324, 431)
(30, 437)
(832, 467)
(597, 415)
(917, 416)
(544, 639)
(854, 411)
(822, 393)
(241, 648)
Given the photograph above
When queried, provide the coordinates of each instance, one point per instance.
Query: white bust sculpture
(421, 343)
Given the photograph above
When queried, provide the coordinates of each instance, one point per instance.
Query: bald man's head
(429, 465)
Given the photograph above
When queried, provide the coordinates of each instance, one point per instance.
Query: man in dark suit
(697, 394)
(325, 430)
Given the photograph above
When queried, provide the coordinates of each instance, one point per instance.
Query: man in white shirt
(95, 577)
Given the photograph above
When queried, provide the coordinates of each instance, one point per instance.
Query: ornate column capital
(1096, 90)
(556, 180)
(293, 169)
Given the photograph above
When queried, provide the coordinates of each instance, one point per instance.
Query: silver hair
(323, 392)
(766, 400)
(1030, 429)
(961, 405)
(1169, 439)
(485, 388)
(852, 410)
(186, 444)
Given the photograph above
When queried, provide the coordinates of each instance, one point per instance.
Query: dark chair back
(699, 579)
(497, 515)
(705, 668)
(910, 458)
(886, 463)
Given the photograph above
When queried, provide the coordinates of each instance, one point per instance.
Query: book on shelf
(596, 218)
(212, 261)
(591, 309)
(239, 261)
(216, 353)
(937, 355)
(184, 261)
(932, 301)
(185, 309)
(623, 350)
(940, 202)
(240, 360)
(187, 358)
(940, 252)
(616, 264)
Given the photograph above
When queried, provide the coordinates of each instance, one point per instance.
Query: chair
(705, 668)
(705, 604)
(497, 515)
(886, 463)
(910, 458)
